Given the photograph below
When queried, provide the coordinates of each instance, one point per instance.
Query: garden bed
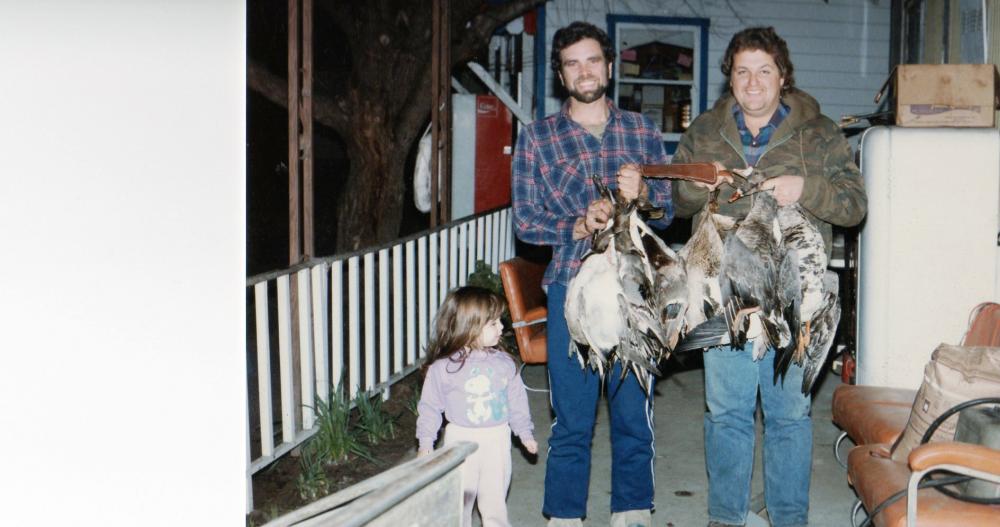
(279, 488)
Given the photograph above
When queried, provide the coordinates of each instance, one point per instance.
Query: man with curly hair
(768, 124)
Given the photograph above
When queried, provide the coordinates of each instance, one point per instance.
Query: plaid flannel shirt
(753, 147)
(551, 186)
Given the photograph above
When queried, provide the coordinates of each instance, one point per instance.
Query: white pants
(485, 473)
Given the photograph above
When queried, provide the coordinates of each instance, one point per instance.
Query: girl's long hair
(459, 323)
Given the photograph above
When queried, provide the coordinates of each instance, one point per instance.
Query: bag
(979, 425)
(955, 374)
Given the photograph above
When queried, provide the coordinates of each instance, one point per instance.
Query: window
(661, 69)
(935, 32)
(913, 25)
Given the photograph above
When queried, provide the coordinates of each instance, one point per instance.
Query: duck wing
(639, 347)
(670, 288)
(802, 237)
(822, 330)
(789, 290)
(708, 334)
(644, 341)
(747, 282)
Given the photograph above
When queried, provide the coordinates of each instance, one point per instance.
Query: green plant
(311, 483)
(272, 512)
(483, 276)
(335, 438)
(413, 401)
(373, 420)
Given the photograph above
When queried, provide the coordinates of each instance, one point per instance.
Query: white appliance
(928, 249)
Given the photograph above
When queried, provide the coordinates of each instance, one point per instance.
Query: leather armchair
(876, 478)
(961, 458)
(875, 416)
(522, 285)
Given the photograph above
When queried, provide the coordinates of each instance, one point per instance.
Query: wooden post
(440, 113)
(435, 105)
(308, 232)
(294, 200)
(294, 234)
(445, 133)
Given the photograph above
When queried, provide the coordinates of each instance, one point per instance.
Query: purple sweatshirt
(486, 391)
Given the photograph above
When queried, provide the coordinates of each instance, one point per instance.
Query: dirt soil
(274, 491)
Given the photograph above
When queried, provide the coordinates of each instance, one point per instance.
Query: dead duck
(809, 290)
(610, 307)
(756, 278)
(783, 253)
(702, 257)
(804, 245)
(759, 281)
(773, 282)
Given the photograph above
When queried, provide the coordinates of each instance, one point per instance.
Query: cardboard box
(945, 95)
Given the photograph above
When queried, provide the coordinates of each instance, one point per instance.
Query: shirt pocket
(569, 185)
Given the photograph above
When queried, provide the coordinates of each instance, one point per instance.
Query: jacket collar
(803, 108)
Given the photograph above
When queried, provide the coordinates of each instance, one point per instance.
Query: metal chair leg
(836, 449)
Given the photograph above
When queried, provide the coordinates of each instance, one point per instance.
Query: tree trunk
(370, 206)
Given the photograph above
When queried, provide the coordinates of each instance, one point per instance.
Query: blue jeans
(573, 393)
(732, 380)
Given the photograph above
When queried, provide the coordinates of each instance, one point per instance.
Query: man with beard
(556, 204)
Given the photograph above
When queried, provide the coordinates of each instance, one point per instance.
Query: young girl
(476, 385)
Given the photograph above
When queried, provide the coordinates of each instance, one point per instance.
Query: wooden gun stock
(703, 172)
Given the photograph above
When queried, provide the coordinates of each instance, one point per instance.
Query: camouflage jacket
(806, 144)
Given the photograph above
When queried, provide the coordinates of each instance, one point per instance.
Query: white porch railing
(361, 319)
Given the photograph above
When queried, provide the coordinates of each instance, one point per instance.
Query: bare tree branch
(483, 25)
(326, 111)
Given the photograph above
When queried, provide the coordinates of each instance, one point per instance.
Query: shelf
(639, 80)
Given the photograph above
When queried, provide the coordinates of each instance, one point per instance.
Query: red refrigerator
(481, 154)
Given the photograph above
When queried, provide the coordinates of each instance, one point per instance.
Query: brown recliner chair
(522, 284)
(874, 417)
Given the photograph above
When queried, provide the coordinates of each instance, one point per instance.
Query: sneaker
(633, 518)
(565, 522)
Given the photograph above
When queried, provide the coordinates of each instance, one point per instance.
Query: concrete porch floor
(681, 483)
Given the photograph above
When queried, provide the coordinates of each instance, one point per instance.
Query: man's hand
(786, 189)
(630, 182)
(598, 214)
(723, 178)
